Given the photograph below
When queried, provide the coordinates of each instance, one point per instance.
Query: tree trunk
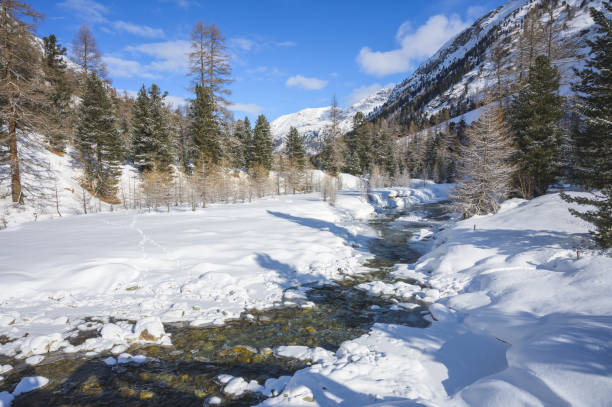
(16, 192)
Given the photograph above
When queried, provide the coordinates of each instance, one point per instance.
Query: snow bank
(421, 191)
(203, 267)
(519, 320)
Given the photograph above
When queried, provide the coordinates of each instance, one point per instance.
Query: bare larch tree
(209, 64)
(19, 89)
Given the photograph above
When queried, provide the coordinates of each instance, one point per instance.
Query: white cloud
(141, 30)
(244, 44)
(245, 108)
(284, 43)
(364, 91)
(182, 3)
(176, 101)
(414, 46)
(306, 83)
(88, 10)
(125, 68)
(168, 56)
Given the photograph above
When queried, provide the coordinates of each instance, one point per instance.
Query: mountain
(449, 84)
(312, 122)
(455, 76)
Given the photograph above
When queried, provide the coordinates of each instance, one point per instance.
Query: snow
(518, 320)
(311, 122)
(29, 383)
(203, 267)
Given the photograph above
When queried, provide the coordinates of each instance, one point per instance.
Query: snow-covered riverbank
(519, 321)
(517, 318)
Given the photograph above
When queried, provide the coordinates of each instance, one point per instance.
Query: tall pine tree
(204, 129)
(98, 140)
(58, 94)
(592, 141)
(263, 145)
(534, 116)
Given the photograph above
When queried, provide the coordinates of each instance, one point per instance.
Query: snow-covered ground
(519, 321)
(517, 318)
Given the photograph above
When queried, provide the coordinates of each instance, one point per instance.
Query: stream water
(186, 373)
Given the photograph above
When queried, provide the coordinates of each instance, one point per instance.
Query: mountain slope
(312, 122)
(454, 77)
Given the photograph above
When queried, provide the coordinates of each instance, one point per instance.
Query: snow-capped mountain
(458, 72)
(453, 78)
(312, 122)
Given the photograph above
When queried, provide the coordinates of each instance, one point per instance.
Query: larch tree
(592, 140)
(209, 65)
(85, 53)
(534, 116)
(19, 87)
(485, 170)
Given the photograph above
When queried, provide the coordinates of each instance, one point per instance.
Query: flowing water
(185, 374)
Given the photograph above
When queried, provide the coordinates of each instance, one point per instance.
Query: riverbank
(520, 319)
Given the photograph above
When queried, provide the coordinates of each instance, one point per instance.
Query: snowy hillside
(462, 68)
(312, 122)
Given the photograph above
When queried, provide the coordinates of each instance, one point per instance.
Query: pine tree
(162, 147)
(142, 141)
(295, 148)
(534, 115)
(204, 129)
(333, 149)
(243, 134)
(485, 171)
(58, 108)
(592, 141)
(85, 53)
(19, 89)
(98, 140)
(263, 145)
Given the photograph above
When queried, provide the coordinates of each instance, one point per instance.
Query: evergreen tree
(485, 171)
(142, 132)
(244, 137)
(295, 149)
(534, 115)
(58, 95)
(98, 140)
(263, 144)
(333, 151)
(592, 140)
(162, 147)
(204, 129)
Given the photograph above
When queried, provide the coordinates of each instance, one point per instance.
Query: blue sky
(286, 54)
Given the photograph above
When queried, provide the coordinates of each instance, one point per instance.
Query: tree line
(79, 110)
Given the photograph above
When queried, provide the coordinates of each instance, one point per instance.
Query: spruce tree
(263, 145)
(204, 129)
(142, 141)
(534, 116)
(242, 133)
(58, 95)
(162, 146)
(98, 140)
(295, 149)
(592, 140)
(333, 149)
(485, 171)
